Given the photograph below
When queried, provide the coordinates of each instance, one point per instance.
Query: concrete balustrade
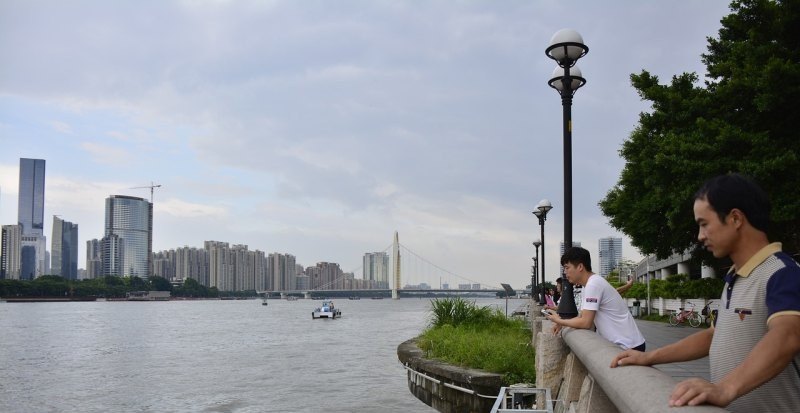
(583, 381)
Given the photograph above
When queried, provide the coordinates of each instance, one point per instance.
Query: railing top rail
(632, 389)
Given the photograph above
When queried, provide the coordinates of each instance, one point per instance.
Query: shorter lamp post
(534, 276)
(541, 211)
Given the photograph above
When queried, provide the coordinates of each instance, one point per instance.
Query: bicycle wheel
(673, 319)
(694, 320)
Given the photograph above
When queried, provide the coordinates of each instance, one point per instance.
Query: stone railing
(575, 367)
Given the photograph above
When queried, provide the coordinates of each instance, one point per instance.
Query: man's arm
(766, 360)
(584, 321)
(622, 288)
(690, 348)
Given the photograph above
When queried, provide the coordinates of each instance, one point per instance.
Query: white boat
(327, 310)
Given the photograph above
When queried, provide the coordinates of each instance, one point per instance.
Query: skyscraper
(376, 268)
(610, 254)
(574, 244)
(10, 252)
(31, 196)
(64, 249)
(30, 218)
(128, 241)
(94, 259)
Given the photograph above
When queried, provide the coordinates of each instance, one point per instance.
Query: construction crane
(152, 186)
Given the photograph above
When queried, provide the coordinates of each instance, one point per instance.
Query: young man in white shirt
(601, 304)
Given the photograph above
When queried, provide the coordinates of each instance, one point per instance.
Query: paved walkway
(658, 334)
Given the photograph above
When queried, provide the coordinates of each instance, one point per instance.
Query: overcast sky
(318, 128)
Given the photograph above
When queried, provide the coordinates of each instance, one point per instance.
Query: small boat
(355, 297)
(291, 298)
(327, 310)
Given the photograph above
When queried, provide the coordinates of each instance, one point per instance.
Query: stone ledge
(443, 398)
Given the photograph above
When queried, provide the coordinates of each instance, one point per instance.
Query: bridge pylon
(396, 266)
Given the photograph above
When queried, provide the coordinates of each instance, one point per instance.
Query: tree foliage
(742, 120)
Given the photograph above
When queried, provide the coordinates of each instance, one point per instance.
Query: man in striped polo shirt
(754, 349)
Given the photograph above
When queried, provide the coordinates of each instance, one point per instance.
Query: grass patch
(463, 334)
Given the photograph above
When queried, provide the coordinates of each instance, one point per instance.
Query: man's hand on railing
(630, 357)
(693, 392)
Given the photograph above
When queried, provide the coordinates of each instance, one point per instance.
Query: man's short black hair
(735, 191)
(577, 255)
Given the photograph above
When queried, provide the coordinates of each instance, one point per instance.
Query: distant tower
(64, 249)
(610, 254)
(396, 260)
(30, 210)
(128, 240)
(30, 213)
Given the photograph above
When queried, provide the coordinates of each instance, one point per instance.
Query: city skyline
(320, 129)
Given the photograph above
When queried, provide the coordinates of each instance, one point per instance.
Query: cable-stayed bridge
(400, 272)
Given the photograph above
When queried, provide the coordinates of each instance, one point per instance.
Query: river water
(208, 356)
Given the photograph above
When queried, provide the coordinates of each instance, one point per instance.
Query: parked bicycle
(709, 314)
(690, 316)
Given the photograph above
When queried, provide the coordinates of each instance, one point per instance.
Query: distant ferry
(327, 310)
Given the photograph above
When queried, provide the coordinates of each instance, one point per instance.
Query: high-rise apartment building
(64, 250)
(128, 240)
(325, 276)
(376, 268)
(220, 265)
(281, 272)
(10, 242)
(94, 259)
(610, 254)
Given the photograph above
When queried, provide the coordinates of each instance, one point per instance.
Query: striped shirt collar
(756, 260)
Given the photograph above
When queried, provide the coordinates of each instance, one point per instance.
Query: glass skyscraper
(610, 254)
(31, 196)
(128, 241)
(64, 249)
(30, 213)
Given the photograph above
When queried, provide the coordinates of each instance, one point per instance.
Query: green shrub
(463, 334)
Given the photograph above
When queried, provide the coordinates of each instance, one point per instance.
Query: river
(208, 356)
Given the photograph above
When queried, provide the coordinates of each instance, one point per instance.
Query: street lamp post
(541, 211)
(537, 243)
(566, 47)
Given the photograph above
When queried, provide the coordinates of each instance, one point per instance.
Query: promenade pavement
(659, 334)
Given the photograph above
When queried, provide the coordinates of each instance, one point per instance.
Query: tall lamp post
(566, 47)
(537, 243)
(541, 211)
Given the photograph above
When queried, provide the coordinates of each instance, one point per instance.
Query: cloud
(61, 127)
(320, 128)
(184, 209)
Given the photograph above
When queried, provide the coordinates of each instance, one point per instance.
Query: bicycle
(709, 314)
(691, 316)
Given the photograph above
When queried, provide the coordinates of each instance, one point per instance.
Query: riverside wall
(448, 388)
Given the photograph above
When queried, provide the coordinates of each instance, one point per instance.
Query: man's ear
(737, 217)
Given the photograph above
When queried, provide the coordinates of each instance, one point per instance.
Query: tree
(743, 120)
(159, 283)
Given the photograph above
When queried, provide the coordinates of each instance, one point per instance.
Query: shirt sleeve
(783, 290)
(592, 293)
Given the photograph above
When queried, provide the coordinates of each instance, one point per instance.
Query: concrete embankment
(448, 388)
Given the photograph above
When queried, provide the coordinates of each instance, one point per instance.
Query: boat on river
(326, 310)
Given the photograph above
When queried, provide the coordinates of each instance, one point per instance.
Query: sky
(318, 128)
